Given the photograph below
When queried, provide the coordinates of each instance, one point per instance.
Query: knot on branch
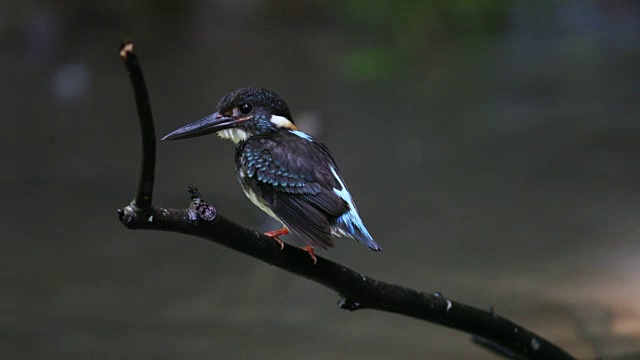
(444, 301)
(130, 215)
(348, 304)
(206, 212)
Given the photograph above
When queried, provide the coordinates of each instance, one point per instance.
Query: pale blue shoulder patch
(301, 134)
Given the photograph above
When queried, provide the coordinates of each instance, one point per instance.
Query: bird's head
(240, 115)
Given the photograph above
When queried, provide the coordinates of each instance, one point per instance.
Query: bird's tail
(350, 225)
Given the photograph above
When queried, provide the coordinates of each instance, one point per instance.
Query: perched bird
(285, 172)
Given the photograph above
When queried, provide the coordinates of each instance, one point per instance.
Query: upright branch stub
(144, 194)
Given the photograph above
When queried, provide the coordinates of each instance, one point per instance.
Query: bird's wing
(293, 176)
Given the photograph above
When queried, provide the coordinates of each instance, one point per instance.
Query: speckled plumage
(292, 184)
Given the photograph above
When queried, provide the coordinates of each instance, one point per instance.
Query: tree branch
(358, 291)
(148, 162)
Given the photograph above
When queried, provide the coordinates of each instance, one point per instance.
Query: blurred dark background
(493, 149)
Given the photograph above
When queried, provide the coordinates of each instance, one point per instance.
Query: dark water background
(493, 151)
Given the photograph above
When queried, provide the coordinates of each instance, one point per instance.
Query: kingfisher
(285, 172)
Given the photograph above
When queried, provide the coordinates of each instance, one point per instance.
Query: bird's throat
(234, 134)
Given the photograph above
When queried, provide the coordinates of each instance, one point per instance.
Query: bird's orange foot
(275, 233)
(309, 249)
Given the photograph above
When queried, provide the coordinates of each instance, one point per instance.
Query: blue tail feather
(350, 224)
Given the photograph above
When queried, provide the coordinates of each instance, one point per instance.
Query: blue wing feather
(298, 180)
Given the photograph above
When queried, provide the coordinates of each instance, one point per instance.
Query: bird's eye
(245, 108)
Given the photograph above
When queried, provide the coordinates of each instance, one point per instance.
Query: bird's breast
(253, 193)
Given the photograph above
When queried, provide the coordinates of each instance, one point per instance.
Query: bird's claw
(275, 233)
(280, 242)
(309, 249)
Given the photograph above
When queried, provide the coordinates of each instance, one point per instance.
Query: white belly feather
(254, 198)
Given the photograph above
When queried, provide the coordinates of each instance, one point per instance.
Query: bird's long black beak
(210, 124)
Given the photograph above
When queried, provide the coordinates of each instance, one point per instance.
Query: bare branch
(148, 162)
(358, 291)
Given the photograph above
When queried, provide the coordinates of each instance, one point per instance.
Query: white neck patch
(235, 135)
(283, 122)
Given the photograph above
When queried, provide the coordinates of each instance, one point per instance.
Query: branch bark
(358, 291)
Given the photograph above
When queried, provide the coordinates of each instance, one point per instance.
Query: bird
(285, 172)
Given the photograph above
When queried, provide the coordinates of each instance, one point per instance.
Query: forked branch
(358, 291)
